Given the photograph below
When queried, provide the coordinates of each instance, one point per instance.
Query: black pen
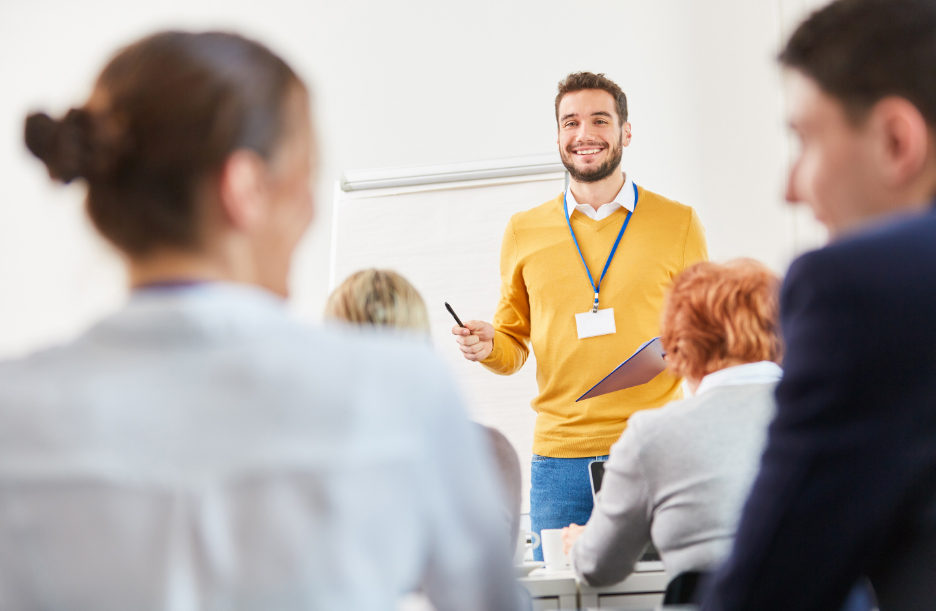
(454, 315)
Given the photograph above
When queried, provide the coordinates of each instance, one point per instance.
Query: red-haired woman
(679, 474)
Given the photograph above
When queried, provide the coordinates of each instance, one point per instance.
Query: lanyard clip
(595, 308)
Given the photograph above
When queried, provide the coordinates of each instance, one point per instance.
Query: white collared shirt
(624, 199)
(762, 372)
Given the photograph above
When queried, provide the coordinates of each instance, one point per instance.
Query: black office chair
(682, 590)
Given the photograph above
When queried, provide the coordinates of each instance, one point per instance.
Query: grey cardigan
(679, 475)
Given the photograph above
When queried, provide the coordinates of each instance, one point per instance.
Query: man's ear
(625, 134)
(903, 138)
(242, 189)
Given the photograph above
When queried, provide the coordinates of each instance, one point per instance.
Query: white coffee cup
(555, 559)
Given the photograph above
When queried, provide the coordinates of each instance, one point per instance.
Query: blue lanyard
(595, 287)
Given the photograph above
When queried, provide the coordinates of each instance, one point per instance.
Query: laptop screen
(596, 473)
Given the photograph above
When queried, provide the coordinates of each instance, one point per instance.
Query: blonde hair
(717, 315)
(381, 298)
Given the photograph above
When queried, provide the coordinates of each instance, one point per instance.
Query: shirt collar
(763, 372)
(625, 198)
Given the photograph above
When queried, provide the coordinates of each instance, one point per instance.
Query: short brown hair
(716, 315)
(165, 114)
(381, 298)
(861, 51)
(580, 81)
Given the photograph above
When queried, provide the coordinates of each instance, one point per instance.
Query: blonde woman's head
(381, 298)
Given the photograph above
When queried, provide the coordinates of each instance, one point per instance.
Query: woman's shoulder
(737, 403)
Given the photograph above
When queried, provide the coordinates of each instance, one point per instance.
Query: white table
(643, 589)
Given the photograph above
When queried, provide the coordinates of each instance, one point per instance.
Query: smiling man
(582, 281)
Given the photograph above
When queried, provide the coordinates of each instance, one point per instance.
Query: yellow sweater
(543, 287)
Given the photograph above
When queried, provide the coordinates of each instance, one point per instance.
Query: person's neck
(916, 198)
(169, 266)
(597, 194)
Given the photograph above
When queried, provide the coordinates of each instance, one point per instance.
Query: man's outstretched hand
(476, 339)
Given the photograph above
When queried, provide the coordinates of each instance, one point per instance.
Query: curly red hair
(717, 316)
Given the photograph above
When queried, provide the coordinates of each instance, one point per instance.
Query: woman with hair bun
(679, 474)
(199, 449)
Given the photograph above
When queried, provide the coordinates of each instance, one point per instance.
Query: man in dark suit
(847, 485)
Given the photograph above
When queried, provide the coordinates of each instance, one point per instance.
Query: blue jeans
(560, 493)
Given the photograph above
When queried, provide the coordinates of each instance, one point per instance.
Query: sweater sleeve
(619, 527)
(696, 248)
(512, 319)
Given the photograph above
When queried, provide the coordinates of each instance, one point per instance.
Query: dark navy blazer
(847, 485)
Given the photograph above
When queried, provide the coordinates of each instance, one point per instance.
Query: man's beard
(594, 173)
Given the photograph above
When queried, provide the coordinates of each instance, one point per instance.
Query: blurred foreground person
(679, 475)
(199, 449)
(848, 480)
(385, 299)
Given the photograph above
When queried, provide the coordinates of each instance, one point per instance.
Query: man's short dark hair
(580, 81)
(861, 51)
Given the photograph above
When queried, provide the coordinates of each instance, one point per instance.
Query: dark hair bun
(64, 146)
(165, 114)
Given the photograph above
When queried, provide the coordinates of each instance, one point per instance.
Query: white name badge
(592, 324)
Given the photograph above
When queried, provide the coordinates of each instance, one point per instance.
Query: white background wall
(411, 82)
(408, 82)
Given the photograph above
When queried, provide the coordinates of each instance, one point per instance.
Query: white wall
(404, 83)
(407, 82)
